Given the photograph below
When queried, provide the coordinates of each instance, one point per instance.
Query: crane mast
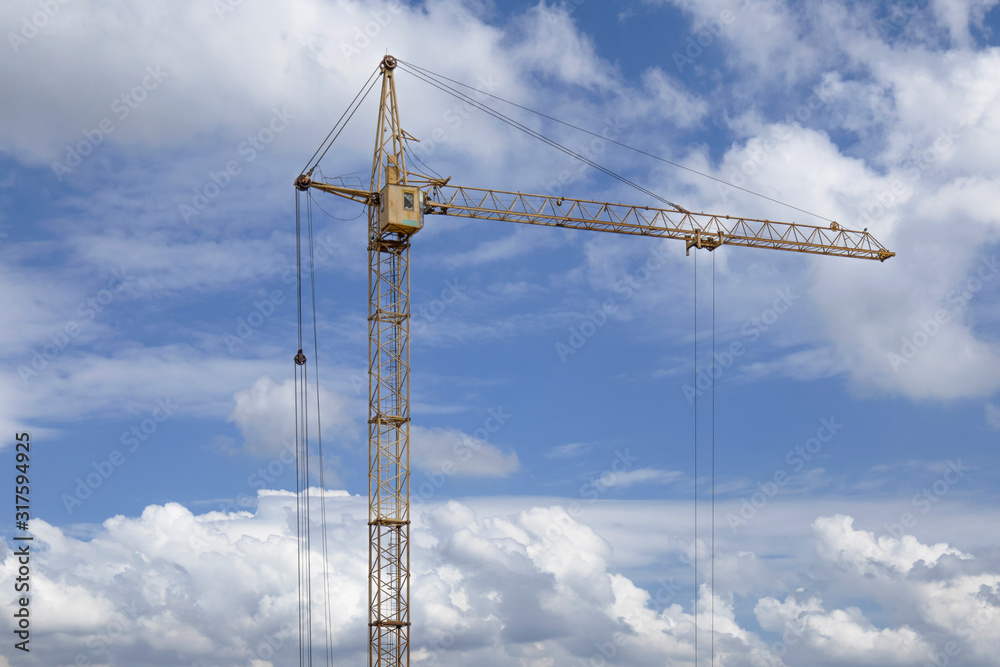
(389, 403)
(396, 202)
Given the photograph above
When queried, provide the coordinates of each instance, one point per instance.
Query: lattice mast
(389, 400)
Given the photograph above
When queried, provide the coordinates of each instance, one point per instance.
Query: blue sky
(146, 237)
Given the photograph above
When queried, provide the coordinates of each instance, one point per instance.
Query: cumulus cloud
(569, 450)
(959, 16)
(838, 637)
(503, 587)
(639, 476)
(449, 451)
(993, 416)
(838, 540)
(672, 100)
(265, 415)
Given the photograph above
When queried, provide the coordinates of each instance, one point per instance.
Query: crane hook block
(300, 359)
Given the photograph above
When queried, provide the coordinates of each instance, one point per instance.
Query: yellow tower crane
(397, 201)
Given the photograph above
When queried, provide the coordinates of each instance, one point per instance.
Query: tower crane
(397, 202)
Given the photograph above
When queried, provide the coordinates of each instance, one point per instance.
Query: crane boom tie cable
(551, 142)
(413, 68)
(537, 135)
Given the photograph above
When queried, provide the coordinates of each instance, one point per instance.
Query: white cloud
(640, 476)
(310, 60)
(568, 450)
(840, 542)
(920, 152)
(504, 585)
(519, 242)
(880, 317)
(159, 262)
(958, 16)
(762, 36)
(129, 383)
(131, 379)
(265, 415)
(549, 43)
(838, 637)
(993, 416)
(450, 452)
(148, 587)
(671, 101)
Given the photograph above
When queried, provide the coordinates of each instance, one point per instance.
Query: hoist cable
(304, 495)
(298, 522)
(618, 143)
(310, 164)
(695, 457)
(302, 591)
(327, 616)
(714, 375)
(307, 520)
(298, 267)
(302, 456)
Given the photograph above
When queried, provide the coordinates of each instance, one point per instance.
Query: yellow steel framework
(389, 316)
(389, 404)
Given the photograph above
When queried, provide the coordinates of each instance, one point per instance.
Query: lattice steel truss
(389, 405)
(702, 230)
